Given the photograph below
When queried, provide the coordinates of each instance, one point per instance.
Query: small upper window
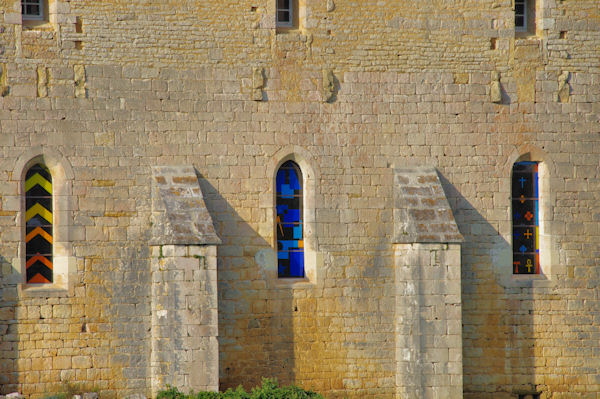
(32, 9)
(521, 15)
(525, 11)
(285, 13)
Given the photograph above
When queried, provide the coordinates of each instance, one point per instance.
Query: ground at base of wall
(87, 395)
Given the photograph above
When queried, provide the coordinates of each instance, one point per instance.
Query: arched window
(525, 218)
(38, 225)
(289, 225)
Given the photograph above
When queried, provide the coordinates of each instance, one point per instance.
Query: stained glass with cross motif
(525, 218)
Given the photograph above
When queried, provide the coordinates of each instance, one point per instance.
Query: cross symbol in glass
(528, 234)
(522, 180)
(523, 249)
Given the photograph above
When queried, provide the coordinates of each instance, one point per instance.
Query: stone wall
(111, 89)
(428, 315)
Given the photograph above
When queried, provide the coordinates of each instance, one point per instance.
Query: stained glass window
(290, 243)
(38, 225)
(525, 218)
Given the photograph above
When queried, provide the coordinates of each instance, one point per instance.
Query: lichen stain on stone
(525, 79)
(103, 183)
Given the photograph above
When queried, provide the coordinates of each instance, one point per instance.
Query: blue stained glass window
(525, 218)
(290, 242)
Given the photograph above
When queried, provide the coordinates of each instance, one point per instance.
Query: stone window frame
(64, 263)
(313, 259)
(550, 267)
(54, 13)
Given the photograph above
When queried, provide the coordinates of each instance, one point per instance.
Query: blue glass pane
(286, 191)
(281, 209)
(287, 245)
(293, 179)
(280, 180)
(298, 232)
(297, 264)
(292, 215)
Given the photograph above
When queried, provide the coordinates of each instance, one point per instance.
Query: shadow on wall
(498, 340)
(9, 338)
(256, 335)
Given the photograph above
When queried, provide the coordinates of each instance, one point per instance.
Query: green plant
(68, 390)
(268, 390)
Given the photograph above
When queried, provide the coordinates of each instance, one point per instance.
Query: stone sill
(37, 25)
(42, 291)
(525, 39)
(529, 281)
(291, 34)
(293, 282)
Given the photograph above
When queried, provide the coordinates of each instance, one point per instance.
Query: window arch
(525, 218)
(289, 222)
(39, 221)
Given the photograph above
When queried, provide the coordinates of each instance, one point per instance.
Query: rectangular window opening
(285, 13)
(521, 15)
(32, 10)
(493, 43)
(78, 25)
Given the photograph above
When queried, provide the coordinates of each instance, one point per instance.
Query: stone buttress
(428, 288)
(185, 352)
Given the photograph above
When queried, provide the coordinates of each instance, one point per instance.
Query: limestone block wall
(429, 321)
(185, 352)
(172, 84)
